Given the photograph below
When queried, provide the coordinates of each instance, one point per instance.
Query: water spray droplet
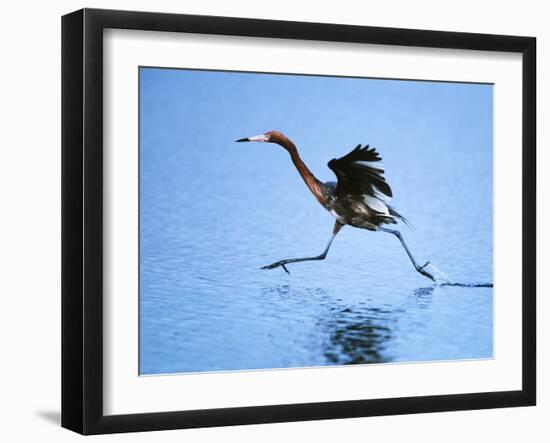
(439, 276)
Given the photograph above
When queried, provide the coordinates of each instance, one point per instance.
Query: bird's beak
(256, 138)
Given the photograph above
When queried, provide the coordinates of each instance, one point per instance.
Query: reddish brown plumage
(314, 185)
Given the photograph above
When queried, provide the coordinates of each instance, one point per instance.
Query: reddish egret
(359, 199)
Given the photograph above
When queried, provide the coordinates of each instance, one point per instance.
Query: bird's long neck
(310, 180)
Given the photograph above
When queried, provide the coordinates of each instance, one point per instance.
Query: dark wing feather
(361, 173)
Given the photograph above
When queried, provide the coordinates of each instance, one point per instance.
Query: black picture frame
(82, 215)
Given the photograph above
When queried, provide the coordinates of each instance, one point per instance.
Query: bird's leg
(420, 269)
(322, 256)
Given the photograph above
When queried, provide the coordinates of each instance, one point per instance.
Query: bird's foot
(425, 273)
(280, 263)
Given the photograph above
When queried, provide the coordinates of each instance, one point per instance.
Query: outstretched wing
(361, 173)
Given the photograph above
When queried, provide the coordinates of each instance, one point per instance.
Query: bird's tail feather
(397, 215)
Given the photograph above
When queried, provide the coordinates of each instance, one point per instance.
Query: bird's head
(268, 137)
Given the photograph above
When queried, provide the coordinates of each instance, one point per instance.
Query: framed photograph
(268, 221)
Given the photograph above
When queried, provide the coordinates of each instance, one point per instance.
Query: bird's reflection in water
(350, 333)
(359, 335)
(362, 334)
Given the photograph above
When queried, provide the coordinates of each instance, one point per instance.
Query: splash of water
(439, 276)
(443, 279)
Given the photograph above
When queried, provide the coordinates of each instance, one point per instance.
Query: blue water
(212, 212)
